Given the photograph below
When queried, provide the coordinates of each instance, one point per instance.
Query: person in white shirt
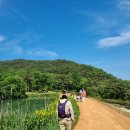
(80, 92)
(65, 114)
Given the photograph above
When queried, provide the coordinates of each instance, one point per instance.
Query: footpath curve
(97, 116)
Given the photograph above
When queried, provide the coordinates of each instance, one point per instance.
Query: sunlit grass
(17, 114)
(33, 113)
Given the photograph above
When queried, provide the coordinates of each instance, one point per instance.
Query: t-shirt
(84, 93)
(80, 91)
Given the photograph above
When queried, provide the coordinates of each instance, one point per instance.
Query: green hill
(55, 66)
(61, 74)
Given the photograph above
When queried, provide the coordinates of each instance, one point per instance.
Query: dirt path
(96, 116)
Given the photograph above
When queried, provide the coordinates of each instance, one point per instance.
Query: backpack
(61, 110)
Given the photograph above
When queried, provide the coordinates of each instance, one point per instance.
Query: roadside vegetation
(35, 113)
(76, 110)
(118, 102)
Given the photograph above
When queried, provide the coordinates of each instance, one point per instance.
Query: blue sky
(94, 32)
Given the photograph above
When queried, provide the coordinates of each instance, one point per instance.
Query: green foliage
(12, 86)
(114, 89)
(76, 79)
(93, 91)
(43, 76)
(28, 119)
(119, 101)
(76, 110)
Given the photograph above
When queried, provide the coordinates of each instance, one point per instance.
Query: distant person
(65, 114)
(80, 93)
(83, 95)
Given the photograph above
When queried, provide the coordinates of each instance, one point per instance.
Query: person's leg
(68, 124)
(62, 124)
(82, 99)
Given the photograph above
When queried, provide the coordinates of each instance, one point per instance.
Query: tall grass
(33, 113)
(17, 114)
(76, 110)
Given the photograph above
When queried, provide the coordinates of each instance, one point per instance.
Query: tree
(12, 87)
(76, 78)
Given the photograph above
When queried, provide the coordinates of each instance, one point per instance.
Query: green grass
(76, 110)
(28, 114)
(17, 114)
(27, 105)
(119, 102)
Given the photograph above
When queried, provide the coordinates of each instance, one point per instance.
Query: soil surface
(97, 116)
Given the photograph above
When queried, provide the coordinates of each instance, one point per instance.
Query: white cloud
(12, 45)
(40, 52)
(122, 39)
(124, 4)
(2, 38)
(16, 46)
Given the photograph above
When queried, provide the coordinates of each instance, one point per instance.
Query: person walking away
(80, 92)
(65, 114)
(83, 95)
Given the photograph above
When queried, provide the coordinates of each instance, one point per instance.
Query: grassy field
(37, 112)
(21, 114)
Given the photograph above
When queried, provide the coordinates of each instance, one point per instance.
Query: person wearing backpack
(65, 114)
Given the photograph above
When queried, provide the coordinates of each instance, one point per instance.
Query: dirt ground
(97, 116)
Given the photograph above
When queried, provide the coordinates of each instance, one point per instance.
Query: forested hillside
(18, 76)
(56, 66)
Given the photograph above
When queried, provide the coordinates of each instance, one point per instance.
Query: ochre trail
(97, 116)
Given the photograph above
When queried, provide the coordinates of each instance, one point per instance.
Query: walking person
(65, 114)
(80, 93)
(83, 95)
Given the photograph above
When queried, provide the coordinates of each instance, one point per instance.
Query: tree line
(19, 76)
